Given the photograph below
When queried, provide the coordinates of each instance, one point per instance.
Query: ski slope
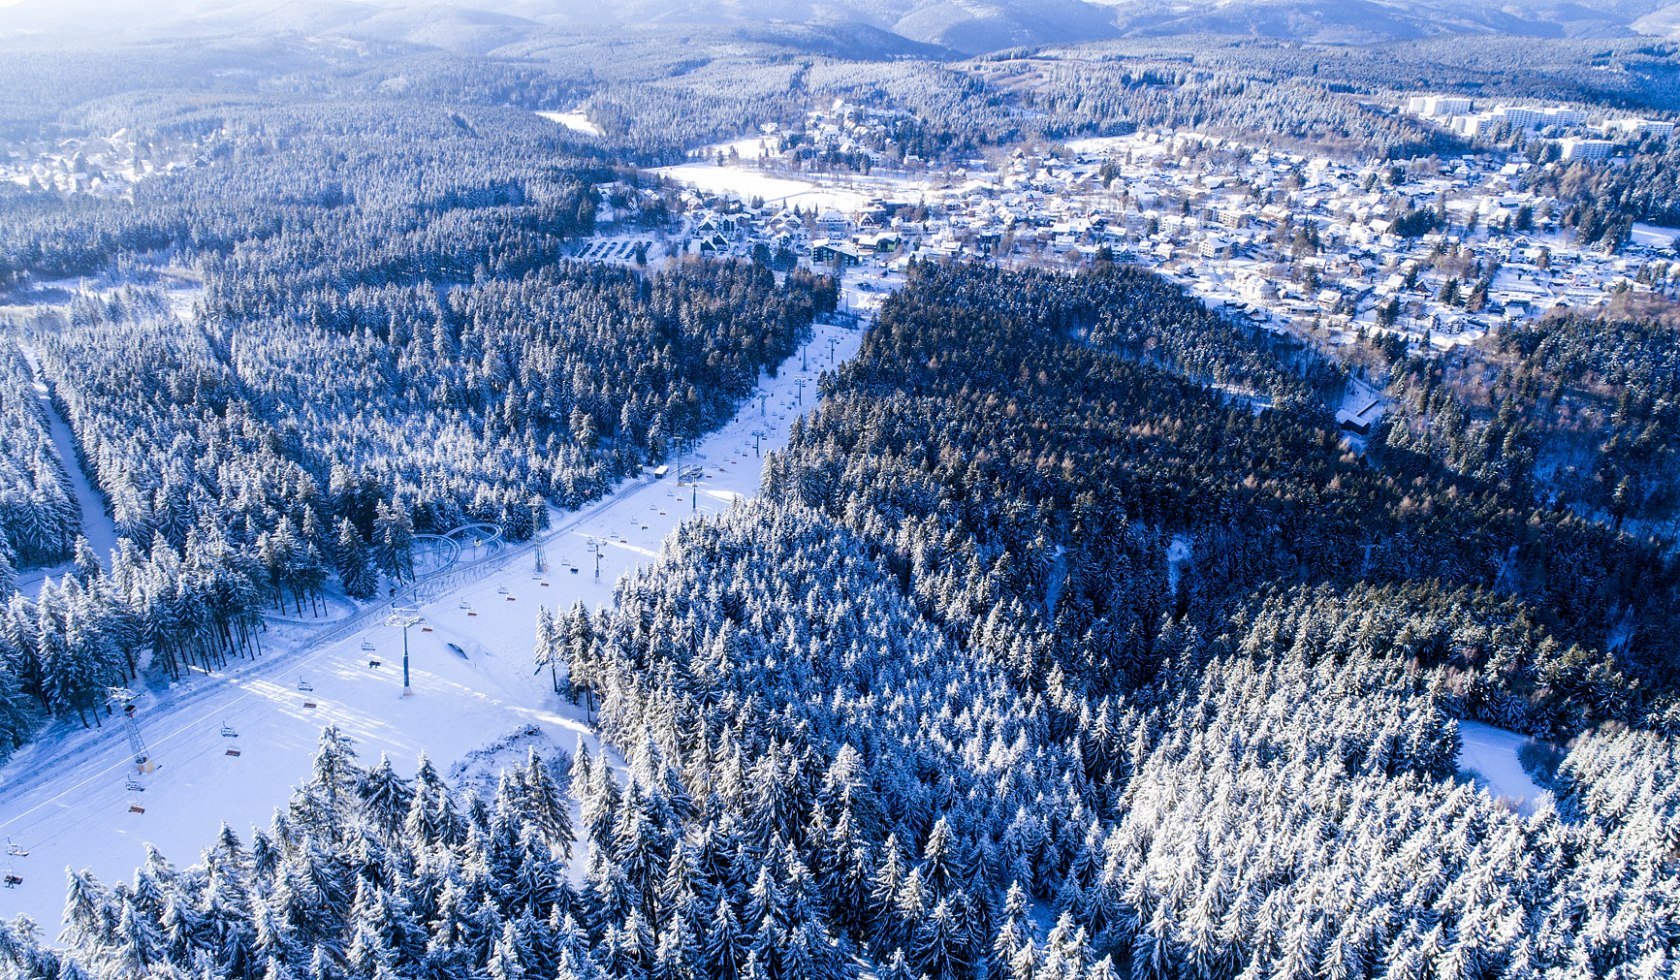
(65, 800)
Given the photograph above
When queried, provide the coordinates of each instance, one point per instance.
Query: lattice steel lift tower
(142, 756)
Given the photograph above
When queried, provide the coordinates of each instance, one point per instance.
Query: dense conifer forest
(388, 342)
(1578, 406)
(1068, 637)
(863, 738)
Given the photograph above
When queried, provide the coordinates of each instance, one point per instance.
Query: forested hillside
(38, 519)
(388, 342)
(938, 706)
(1093, 620)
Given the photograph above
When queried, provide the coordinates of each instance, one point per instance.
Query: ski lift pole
(404, 617)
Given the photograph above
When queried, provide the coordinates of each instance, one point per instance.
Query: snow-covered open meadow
(847, 192)
(575, 120)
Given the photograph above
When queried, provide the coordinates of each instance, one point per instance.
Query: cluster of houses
(1285, 239)
(106, 166)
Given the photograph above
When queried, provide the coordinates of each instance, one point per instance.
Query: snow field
(841, 192)
(1656, 236)
(1489, 755)
(575, 120)
(66, 800)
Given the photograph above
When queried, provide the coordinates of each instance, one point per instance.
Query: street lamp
(404, 617)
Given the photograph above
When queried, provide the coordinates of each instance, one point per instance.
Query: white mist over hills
(962, 26)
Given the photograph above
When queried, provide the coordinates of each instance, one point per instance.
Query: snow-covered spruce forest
(387, 343)
(248, 463)
(935, 706)
(38, 516)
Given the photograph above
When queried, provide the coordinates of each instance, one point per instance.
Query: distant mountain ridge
(957, 26)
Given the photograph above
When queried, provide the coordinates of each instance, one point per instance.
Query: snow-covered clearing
(747, 183)
(1178, 555)
(1656, 236)
(1141, 146)
(574, 120)
(65, 799)
(848, 192)
(1489, 755)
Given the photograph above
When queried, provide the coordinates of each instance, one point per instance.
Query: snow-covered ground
(574, 120)
(1489, 755)
(841, 191)
(1179, 551)
(1141, 146)
(749, 182)
(66, 800)
(1656, 236)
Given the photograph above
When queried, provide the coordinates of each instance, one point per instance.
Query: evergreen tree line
(1028, 479)
(39, 518)
(936, 707)
(484, 403)
(1576, 406)
(169, 608)
(1603, 201)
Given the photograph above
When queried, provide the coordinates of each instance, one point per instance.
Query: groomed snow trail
(65, 799)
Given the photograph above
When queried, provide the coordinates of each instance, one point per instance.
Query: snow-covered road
(66, 801)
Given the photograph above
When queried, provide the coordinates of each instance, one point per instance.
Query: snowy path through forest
(65, 799)
(97, 526)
